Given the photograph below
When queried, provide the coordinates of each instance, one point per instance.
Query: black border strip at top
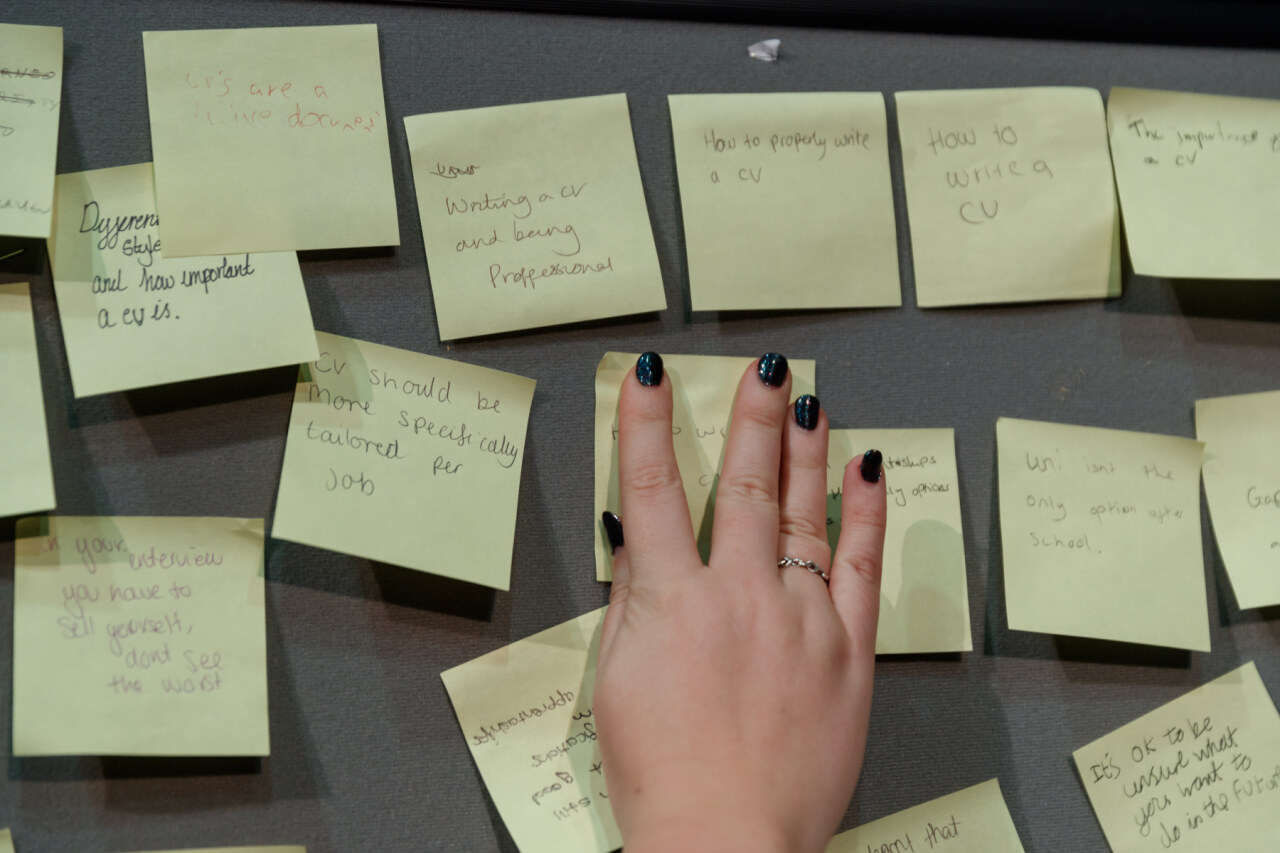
(1244, 23)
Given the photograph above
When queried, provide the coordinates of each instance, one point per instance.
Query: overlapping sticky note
(787, 200)
(1009, 195)
(26, 472)
(1196, 175)
(973, 820)
(1101, 533)
(924, 594)
(268, 140)
(1242, 485)
(703, 388)
(155, 629)
(526, 713)
(1200, 774)
(533, 215)
(133, 317)
(30, 101)
(405, 458)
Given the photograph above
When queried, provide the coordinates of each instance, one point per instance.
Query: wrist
(708, 834)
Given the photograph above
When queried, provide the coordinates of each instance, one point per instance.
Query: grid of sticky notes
(1199, 774)
(703, 388)
(1100, 532)
(973, 820)
(405, 458)
(526, 712)
(533, 215)
(156, 628)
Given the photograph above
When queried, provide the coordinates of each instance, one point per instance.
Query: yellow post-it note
(1009, 195)
(924, 594)
(703, 388)
(267, 140)
(132, 317)
(1200, 774)
(26, 472)
(533, 215)
(405, 458)
(30, 100)
(526, 713)
(1242, 485)
(273, 849)
(156, 629)
(1101, 533)
(1196, 175)
(6, 841)
(974, 820)
(787, 200)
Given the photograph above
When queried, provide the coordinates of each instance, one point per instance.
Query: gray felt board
(366, 752)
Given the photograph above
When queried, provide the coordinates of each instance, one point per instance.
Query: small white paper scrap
(765, 51)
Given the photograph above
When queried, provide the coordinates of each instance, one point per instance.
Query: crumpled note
(765, 51)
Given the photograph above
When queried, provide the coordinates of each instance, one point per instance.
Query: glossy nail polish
(806, 412)
(870, 467)
(649, 369)
(612, 529)
(773, 369)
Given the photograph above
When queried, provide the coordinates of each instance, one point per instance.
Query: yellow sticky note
(1195, 175)
(533, 215)
(1101, 533)
(26, 472)
(273, 849)
(1200, 774)
(405, 458)
(787, 200)
(703, 388)
(267, 140)
(1242, 485)
(526, 713)
(1009, 195)
(30, 101)
(974, 820)
(156, 629)
(924, 594)
(6, 841)
(132, 318)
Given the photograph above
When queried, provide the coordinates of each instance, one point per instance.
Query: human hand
(733, 698)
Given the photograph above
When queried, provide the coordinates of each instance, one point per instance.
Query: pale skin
(733, 698)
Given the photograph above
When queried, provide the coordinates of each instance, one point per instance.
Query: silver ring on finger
(807, 565)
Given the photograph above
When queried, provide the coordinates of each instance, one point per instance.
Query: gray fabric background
(366, 753)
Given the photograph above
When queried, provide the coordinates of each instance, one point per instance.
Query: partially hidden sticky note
(26, 472)
(924, 594)
(1101, 533)
(526, 712)
(273, 849)
(703, 389)
(1200, 774)
(405, 458)
(1242, 485)
(133, 317)
(1196, 175)
(1009, 195)
(155, 628)
(533, 215)
(973, 820)
(30, 102)
(268, 140)
(6, 841)
(787, 200)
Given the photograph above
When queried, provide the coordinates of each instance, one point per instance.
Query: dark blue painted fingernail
(612, 529)
(807, 409)
(649, 369)
(773, 369)
(870, 467)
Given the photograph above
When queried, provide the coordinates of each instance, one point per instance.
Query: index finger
(651, 493)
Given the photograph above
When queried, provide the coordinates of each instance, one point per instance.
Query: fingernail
(649, 369)
(807, 409)
(773, 369)
(612, 529)
(870, 467)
